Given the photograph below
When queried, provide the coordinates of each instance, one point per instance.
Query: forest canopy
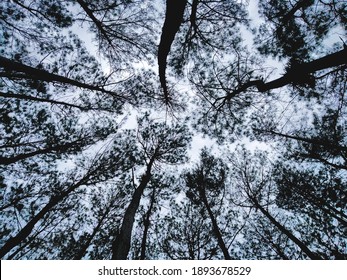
(176, 129)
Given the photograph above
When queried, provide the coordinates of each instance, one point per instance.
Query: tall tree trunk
(173, 19)
(121, 245)
(146, 223)
(298, 242)
(86, 244)
(43, 75)
(295, 74)
(51, 149)
(24, 232)
(215, 226)
(27, 229)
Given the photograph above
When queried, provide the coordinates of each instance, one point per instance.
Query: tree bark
(146, 223)
(295, 74)
(173, 19)
(27, 229)
(215, 226)
(43, 75)
(298, 242)
(122, 242)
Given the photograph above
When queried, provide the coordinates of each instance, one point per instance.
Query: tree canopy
(176, 129)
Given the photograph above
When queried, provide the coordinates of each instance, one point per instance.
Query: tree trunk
(121, 245)
(300, 244)
(215, 226)
(26, 231)
(86, 245)
(43, 75)
(294, 74)
(146, 224)
(173, 19)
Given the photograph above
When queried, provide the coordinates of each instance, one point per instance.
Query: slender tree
(160, 144)
(206, 182)
(188, 238)
(95, 173)
(256, 186)
(146, 225)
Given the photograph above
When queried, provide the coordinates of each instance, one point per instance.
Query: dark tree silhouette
(146, 225)
(204, 182)
(96, 173)
(92, 166)
(159, 144)
(173, 20)
(297, 74)
(15, 69)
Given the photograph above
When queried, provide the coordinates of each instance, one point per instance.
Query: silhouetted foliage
(168, 129)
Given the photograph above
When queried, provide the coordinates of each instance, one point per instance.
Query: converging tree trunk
(173, 19)
(28, 228)
(53, 201)
(208, 178)
(298, 242)
(18, 70)
(146, 224)
(121, 244)
(296, 74)
(215, 226)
